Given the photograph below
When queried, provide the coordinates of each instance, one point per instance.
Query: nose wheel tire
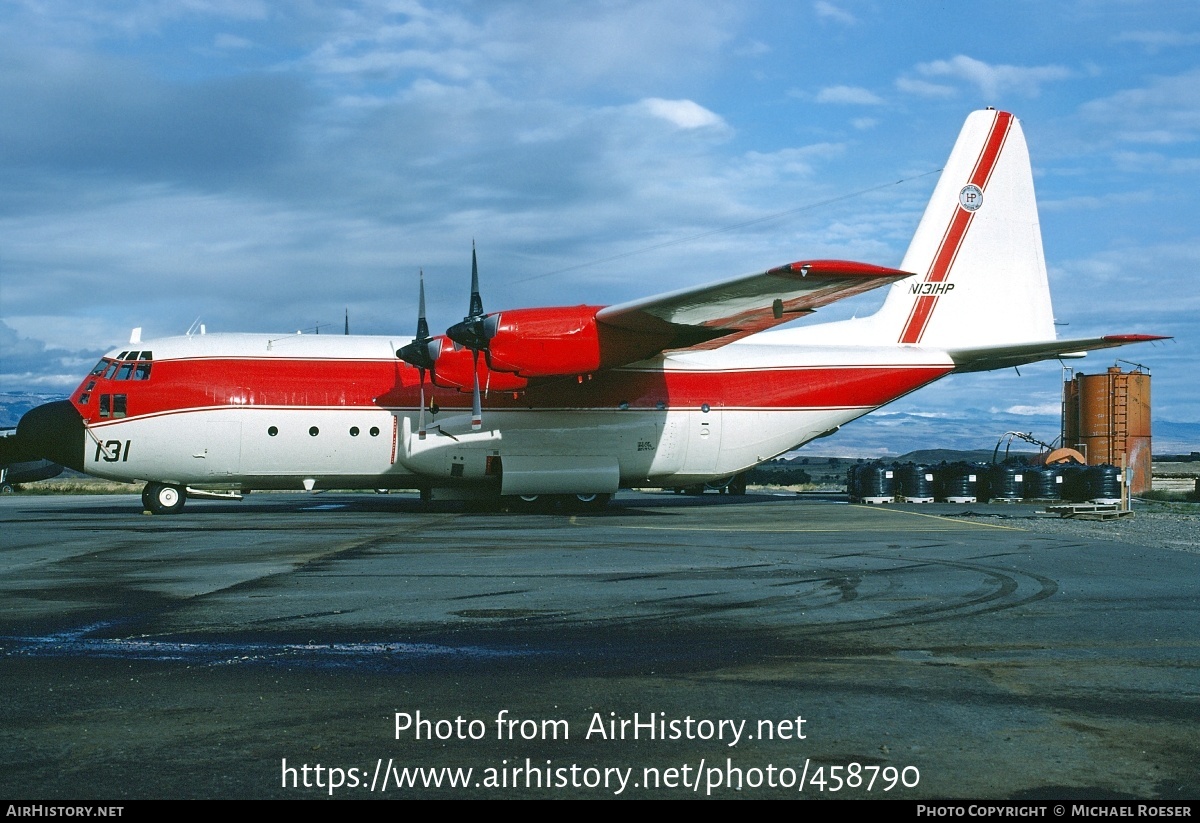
(163, 498)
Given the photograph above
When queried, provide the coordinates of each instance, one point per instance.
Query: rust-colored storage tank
(1106, 416)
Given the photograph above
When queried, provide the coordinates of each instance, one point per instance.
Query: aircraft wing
(1002, 357)
(709, 316)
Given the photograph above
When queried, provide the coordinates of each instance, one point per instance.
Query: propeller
(422, 352)
(473, 333)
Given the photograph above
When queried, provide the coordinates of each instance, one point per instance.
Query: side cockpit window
(113, 405)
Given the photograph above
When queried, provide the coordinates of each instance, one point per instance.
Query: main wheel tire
(163, 498)
(528, 502)
(586, 502)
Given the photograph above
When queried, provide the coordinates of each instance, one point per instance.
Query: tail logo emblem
(971, 197)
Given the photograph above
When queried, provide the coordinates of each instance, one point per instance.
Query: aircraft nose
(54, 432)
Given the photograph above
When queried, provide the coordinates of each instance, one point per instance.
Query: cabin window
(374, 431)
(273, 431)
(313, 431)
(354, 431)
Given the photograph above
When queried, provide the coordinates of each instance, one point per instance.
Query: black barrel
(1006, 481)
(1044, 483)
(960, 482)
(876, 480)
(1074, 485)
(1103, 483)
(916, 481)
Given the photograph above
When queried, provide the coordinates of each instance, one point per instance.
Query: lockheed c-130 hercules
(671, 390)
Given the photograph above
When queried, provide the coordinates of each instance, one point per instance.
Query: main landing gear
(163, 498)
(547, 502)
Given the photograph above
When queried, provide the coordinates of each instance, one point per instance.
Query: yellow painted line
(951, 523)
(940, 517)
(966, 526)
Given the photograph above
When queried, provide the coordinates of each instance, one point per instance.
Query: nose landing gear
(163, 498)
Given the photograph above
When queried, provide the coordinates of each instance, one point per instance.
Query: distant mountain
(15, 404)
(889, 435)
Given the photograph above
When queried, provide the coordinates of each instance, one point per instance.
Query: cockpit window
(125, 370)
(146, 355)
(142, 372)
(100, 367)
(112, 369)
(122, 355)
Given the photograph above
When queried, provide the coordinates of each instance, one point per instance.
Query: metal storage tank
(1106, 416)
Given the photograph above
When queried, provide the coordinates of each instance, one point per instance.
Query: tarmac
(360, 646)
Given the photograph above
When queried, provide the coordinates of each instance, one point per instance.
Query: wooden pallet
(1089, 511)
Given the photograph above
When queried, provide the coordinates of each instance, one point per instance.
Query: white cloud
(994, 80)
(1166, 110)
(923, 88)
(828, 11)
(1154, 41)
(854, 95)
(685, 114)
(1034, 410)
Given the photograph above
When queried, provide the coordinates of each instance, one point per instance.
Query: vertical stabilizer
(980, 272)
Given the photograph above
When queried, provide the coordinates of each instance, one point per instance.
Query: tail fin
(977, 254)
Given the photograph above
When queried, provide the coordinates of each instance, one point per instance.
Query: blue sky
(264, 166)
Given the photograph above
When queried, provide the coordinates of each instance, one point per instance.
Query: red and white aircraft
(671, 390)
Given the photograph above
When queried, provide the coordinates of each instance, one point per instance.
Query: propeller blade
(421, 414)
(422, 324)
(476, 405)
(476, 307)
(422, 352)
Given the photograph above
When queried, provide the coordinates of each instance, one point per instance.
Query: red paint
(178, 385)
(551, 342)
(952, 240)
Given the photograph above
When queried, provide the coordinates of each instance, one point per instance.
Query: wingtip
(1136, 338)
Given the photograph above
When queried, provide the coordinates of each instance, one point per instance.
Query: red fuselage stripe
(276, 383)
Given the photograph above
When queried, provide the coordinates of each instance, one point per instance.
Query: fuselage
(312, 411)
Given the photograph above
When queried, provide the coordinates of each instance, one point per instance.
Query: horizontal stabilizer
(1003, 357)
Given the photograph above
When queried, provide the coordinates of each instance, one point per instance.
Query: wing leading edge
(712, 315)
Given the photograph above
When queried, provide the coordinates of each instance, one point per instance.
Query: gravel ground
(1174, 526)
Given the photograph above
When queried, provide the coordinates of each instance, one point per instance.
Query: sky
(269, 166)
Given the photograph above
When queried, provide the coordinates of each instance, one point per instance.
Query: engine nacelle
(552, 342)
(454, 370)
